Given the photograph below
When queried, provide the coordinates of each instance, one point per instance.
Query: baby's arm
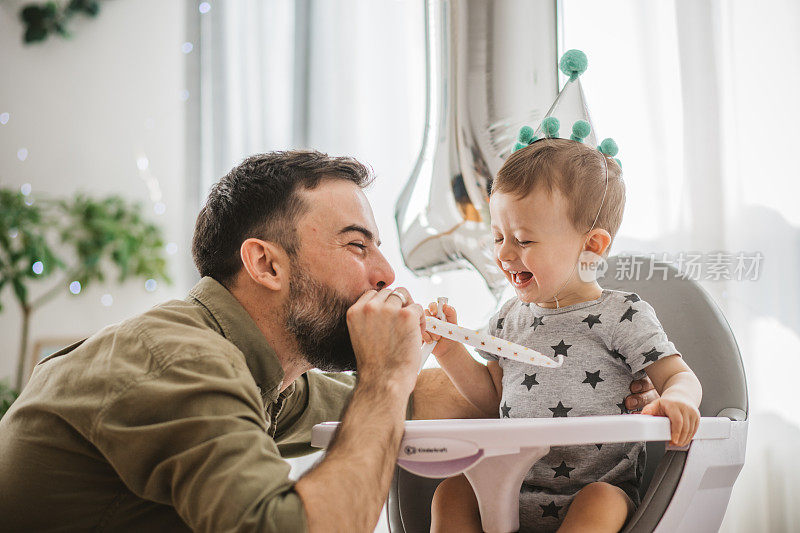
(680, 392)
(480, 385)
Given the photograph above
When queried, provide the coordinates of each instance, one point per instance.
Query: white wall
(86, 109)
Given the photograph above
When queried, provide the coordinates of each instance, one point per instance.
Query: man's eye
(359, 245)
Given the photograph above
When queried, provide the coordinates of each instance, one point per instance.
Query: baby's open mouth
(520, 277)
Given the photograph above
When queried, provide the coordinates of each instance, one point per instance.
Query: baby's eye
(523, 243)
(498, 240)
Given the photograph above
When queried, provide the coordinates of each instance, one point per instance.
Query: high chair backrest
(694, 323)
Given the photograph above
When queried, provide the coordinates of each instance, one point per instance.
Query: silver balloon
(491, 68)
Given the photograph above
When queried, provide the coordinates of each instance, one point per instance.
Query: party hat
(569, 116)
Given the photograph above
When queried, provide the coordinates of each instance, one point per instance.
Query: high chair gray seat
(700, 332)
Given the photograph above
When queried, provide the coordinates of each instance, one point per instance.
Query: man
(181, 417)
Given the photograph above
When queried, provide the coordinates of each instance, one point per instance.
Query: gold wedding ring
(399, 295)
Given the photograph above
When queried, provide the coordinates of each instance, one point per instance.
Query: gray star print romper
(606, 344)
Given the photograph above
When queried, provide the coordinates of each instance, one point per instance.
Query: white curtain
(248, 64)
(702, 99)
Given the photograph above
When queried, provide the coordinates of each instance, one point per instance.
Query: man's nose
(380, 273)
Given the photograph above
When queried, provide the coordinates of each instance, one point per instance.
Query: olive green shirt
(168, 421)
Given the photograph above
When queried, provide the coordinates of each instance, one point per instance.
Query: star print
(633, 298)
(537, 321)
(599, 446)
(562, 470)
(593, 378)
(561, 348)
(500, 323)
(530, 381)
(551, 509)
(628, 314)
(652, 355)
(622, 409)
(559, 410)
(506, 409)
(592, 320)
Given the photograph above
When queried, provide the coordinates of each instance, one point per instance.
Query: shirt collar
(240, 329)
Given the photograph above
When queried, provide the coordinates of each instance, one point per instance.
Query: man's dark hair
(259, 198)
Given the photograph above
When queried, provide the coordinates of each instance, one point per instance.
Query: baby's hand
(450, 316)
(683, 416)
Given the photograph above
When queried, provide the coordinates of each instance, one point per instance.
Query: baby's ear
(598, 241)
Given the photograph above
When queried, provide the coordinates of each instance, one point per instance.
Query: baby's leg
(597, 507)
(455, 507)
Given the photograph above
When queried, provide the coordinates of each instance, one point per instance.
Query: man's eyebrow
(360, 229)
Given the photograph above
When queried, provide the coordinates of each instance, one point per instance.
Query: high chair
(682, 489)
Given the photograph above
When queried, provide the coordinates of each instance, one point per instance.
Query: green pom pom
(550, 127)
(573, 63)
(517, 146)
(525, 134)
(533, 139)
(609, 147)
(581, 129)
(618, 162)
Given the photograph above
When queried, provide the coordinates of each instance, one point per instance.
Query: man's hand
(643, 393)
(386, 332)
(346, 490)
(683, 416)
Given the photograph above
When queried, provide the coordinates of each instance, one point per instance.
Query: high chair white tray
(495, 455)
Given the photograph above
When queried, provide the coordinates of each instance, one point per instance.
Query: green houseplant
(43, 19)
(62, 241)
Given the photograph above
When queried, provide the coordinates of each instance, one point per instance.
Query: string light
(107, 300)
(75, 287)
(187, 47)
(172, 248)
(37, 267)
(150, 285)
(4, 118)
(25, 189)
(204, 7)
(22, 154)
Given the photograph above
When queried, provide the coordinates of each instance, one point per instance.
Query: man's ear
(266, 263)
(598, 241)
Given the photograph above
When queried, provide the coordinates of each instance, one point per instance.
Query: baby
(551, 201)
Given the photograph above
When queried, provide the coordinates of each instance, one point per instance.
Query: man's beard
(317, 317)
